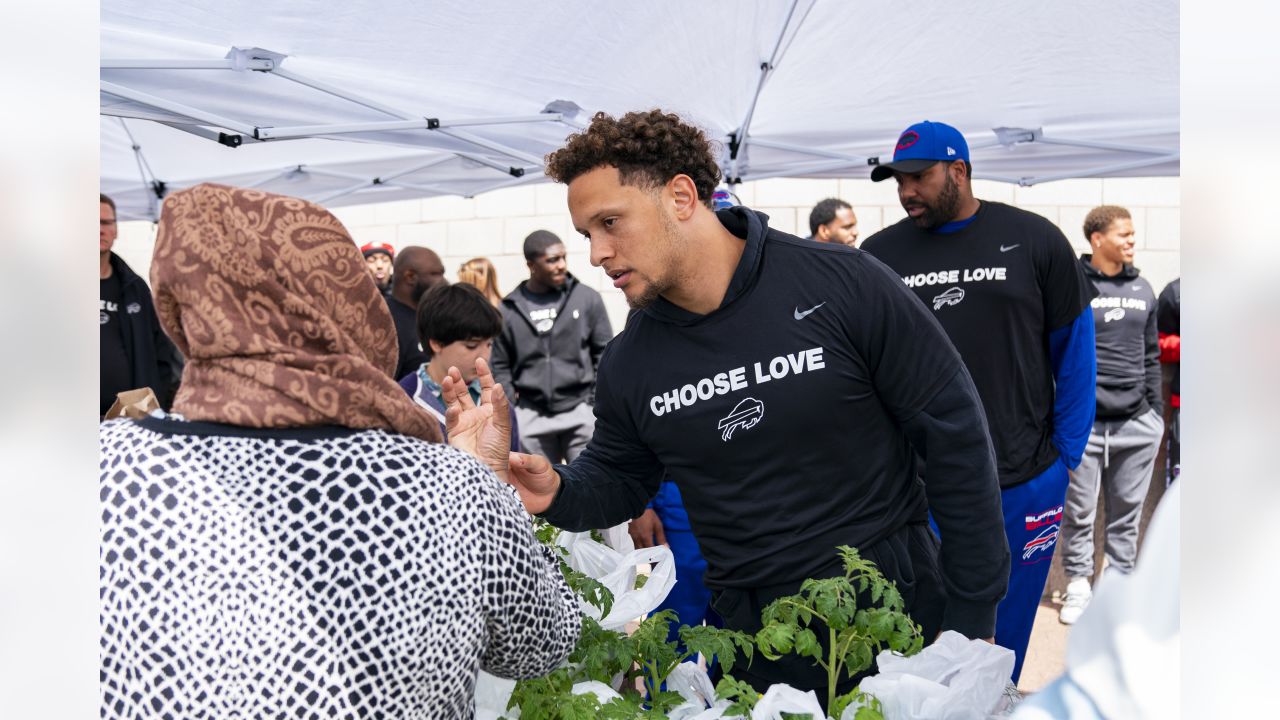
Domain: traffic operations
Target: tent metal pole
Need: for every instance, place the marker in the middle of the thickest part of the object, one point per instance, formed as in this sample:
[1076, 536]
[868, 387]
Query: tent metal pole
[1105, 169]
[997, 178]
[175, 107]
[800, 170]
[526, 179]
[739, 137]
[519, 119]
[343, 94]
[144, 170]
[510, 170]
[137, 64]
[494, 146]
[807, 151]
[268, 179]
[322, 199]
[232, 141]
[324, 172]
[1104, 146]
[290, 132]
[433, 189]
[417, 168]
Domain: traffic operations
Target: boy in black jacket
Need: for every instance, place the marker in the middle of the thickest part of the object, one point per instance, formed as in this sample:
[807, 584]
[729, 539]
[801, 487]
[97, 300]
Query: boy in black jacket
[1126, 432]
[554, 332]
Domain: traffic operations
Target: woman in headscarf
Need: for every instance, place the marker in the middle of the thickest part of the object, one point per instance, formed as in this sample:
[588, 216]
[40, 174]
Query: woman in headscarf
[294, 540]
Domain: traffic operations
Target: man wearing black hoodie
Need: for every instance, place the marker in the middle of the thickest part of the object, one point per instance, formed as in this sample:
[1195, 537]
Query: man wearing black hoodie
[787, 387]
[554, 332]
[1122, 447]
[135, 352]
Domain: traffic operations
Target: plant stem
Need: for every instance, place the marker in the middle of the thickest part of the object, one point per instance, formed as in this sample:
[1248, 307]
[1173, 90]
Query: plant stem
[833, 669]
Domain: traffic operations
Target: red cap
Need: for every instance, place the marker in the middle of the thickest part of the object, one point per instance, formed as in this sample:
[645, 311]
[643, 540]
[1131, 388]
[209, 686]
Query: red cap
[370, 248]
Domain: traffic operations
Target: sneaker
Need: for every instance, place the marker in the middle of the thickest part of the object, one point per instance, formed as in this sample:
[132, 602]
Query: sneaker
[1078, 596]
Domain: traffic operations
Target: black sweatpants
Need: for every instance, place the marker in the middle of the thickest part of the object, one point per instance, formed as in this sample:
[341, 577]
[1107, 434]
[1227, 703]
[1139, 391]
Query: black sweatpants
[909, 557]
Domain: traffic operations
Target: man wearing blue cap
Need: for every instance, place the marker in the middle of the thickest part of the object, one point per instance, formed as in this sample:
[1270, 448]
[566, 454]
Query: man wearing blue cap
[1007, 288]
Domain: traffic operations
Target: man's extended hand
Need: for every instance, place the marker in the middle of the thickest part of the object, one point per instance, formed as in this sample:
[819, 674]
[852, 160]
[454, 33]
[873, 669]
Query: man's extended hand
[534, 478]
[483, 430]
[646, 530]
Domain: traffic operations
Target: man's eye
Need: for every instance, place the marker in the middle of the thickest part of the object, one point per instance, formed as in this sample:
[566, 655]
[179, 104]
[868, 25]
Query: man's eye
[608, 222]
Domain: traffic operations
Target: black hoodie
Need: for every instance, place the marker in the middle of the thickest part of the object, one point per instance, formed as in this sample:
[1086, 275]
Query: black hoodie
[552, 371]
[153, 359]
[1124, 320]
[790, 418]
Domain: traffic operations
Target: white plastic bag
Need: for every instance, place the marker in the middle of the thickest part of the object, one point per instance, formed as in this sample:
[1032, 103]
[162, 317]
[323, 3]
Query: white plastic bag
[955, 678]
[492, 695]
[694, 686]
[782, 698]
[617, 571]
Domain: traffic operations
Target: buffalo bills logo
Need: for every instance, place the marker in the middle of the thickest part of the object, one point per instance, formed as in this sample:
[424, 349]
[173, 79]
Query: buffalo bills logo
[745, 415]
[908, 139]
[1043, 542]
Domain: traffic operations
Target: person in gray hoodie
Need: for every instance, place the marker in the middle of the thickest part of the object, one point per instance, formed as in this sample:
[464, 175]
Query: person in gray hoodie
[554, 331]
[1126, 433]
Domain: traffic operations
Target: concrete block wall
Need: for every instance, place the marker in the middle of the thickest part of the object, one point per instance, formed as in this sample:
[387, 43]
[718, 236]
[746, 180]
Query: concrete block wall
[495, 224]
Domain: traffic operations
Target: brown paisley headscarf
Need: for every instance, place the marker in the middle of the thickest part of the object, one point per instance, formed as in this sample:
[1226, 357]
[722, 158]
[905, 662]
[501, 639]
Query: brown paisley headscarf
[281, 325]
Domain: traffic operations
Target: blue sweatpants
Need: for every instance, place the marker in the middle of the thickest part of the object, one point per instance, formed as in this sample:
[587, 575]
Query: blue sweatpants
[1032, 523]
[1032, 520]
[689, 598]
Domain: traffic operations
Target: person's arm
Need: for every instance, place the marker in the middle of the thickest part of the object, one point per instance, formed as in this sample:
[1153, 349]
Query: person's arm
[1151, 360]
[1169, 325]
[502, 359]
[963, 492]
[531, 617]
[1073, 357]
[923, 384]
[613, 478]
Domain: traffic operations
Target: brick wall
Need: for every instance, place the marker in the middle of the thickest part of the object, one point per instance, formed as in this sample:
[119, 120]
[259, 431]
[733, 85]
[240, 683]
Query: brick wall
[494, 224]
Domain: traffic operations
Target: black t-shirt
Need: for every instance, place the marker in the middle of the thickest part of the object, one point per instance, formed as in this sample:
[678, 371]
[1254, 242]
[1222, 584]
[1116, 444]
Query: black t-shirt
[999, 286]
[411, 356]
[781, 418]
[117, 375]
[542, 308]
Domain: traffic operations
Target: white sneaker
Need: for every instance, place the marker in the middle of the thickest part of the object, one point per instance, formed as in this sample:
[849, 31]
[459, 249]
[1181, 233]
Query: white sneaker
[1078, 596]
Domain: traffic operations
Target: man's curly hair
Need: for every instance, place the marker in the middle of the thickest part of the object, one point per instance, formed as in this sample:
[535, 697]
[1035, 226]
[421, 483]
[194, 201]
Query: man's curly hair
[648, 148]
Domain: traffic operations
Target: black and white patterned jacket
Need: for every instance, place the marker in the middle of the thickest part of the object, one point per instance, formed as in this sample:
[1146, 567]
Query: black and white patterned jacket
[313, 573]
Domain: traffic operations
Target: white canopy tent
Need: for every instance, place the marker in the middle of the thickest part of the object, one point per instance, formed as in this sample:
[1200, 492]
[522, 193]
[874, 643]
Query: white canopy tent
[364, 103]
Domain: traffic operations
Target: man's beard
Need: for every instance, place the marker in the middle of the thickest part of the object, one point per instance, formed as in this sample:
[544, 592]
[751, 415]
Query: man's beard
[943, 210]
[653, 289]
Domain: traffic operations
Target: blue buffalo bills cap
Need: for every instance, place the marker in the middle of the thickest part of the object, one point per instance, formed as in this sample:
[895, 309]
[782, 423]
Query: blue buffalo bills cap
[922, 145]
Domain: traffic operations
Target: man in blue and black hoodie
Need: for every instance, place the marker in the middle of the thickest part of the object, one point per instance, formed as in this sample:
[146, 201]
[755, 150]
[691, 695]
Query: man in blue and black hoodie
[788, 388]
[1122, 448]
[1008, 289]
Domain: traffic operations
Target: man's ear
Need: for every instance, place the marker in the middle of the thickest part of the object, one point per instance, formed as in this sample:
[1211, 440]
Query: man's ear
[684, 196]
[436, 347]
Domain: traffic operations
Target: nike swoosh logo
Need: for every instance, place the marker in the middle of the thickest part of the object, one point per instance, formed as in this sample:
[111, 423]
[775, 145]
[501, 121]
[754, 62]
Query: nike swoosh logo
[803, 315]
[1007, 249]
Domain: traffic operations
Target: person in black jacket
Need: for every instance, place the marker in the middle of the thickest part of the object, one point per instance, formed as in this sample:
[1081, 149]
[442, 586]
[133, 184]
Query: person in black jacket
[787, 387]
[554, 332]
[416, 270]
[1168, 322]
[1122, 447]
[135, 352]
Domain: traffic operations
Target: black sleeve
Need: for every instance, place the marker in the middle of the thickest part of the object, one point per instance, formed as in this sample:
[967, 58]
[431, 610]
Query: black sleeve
[1151, 364]
[170, 363]
[1065, 290]
[921, 380]
[1167, 310]
[503, 357]
[613, 478]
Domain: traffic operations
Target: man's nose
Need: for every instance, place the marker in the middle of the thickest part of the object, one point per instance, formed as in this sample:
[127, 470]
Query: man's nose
[601, 250]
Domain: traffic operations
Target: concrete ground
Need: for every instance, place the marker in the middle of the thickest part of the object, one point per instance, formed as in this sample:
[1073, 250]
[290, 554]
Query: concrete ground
[1046, 654]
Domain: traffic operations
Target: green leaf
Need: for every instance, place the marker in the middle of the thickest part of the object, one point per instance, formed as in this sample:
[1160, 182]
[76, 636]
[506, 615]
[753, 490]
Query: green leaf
[807, 644]
[743, 696]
